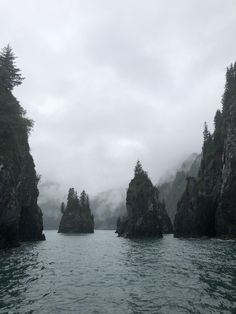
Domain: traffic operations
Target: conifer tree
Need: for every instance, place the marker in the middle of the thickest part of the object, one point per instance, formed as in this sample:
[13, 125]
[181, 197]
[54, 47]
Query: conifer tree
[72, 200]
[206, 133]
[138, 168]
[12, 115]
[230, 86]
[84, 199]
[218, 120]
[10, 75]
[87, 201]
[218, 132]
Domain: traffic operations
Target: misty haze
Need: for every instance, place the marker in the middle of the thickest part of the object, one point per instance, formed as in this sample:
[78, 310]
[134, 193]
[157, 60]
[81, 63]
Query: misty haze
[117, 156]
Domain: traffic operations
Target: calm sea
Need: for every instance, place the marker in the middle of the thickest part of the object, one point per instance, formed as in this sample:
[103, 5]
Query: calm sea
[101, 273]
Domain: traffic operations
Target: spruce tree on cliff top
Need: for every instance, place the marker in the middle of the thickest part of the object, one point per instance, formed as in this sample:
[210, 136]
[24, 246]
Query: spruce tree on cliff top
[146, 215]
[20, 216]
[12, 114]
[208, 205]
[10, 75]
[77, 217]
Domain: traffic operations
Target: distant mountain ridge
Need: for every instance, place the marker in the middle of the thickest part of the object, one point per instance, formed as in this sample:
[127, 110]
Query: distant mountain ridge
[49, 201]
[172, 190]
[107, 206]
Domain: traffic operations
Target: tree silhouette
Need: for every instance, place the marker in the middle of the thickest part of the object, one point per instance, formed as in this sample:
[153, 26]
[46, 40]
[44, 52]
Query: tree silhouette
[10, 75]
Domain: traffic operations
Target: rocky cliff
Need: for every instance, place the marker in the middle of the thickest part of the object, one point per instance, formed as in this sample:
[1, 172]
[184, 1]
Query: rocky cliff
[77, 217]
[226, 209]
[208, 205]
[20, 216]
[146, 215]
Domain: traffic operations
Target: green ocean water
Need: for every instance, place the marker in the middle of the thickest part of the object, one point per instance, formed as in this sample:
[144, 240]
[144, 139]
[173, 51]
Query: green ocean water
[101, 273]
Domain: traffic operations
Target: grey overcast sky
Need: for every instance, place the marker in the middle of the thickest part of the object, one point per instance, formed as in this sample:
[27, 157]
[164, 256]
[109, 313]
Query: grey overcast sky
[109, 82]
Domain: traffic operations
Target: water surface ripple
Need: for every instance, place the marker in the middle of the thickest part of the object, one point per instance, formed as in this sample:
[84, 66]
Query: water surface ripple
[100, 273]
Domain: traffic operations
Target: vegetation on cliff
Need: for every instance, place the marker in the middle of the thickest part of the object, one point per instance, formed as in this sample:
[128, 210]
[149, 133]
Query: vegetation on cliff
[20, 216]
[146, 215]
[76, 215]
[208, 205]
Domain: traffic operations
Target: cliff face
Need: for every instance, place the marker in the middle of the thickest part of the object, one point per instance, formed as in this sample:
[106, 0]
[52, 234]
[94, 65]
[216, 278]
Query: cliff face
[146, 215]
[20, 217]
[208, 205]
[77, 217]
[226, 209]
[195, 214]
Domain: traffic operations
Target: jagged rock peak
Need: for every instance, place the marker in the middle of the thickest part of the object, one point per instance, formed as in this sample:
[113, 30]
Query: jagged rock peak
[146, 215]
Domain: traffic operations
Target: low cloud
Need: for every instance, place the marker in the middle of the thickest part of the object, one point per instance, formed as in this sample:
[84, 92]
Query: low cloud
[111, 82]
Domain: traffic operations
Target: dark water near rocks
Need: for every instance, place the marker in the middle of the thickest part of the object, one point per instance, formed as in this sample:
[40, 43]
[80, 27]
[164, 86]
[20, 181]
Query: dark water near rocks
[101, 273]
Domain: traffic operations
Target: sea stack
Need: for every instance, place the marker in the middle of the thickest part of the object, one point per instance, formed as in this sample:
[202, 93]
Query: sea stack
[208, 205]
[146, 215]
[20, 216]
[76, 215]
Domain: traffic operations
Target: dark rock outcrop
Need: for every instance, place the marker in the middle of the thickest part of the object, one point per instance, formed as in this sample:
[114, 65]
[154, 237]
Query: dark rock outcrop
[20, 216]
[77, 217]
[208, 205]
[146, 215]
[194, 217]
